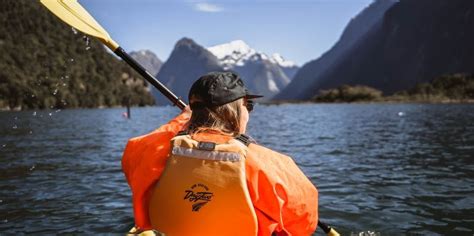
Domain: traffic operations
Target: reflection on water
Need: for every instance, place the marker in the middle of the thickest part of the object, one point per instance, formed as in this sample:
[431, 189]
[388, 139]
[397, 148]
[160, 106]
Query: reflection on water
[385, 168]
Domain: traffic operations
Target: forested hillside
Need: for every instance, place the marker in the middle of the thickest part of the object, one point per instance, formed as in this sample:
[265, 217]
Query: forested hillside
[46, 64]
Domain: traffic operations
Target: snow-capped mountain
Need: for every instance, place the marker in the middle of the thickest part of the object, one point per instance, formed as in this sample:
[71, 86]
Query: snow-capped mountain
[238, 52]
[263, 74]
[233, 53]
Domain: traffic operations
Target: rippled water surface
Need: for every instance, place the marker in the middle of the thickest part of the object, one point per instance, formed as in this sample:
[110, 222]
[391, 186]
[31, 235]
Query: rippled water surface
[393, 169]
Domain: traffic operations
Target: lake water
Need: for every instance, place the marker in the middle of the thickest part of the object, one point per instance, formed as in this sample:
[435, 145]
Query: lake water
[385, 168]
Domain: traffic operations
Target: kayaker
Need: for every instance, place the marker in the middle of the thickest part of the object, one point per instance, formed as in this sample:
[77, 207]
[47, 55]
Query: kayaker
[199, 174]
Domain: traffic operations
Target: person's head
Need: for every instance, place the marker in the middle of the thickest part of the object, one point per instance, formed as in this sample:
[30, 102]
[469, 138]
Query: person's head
[220, 101]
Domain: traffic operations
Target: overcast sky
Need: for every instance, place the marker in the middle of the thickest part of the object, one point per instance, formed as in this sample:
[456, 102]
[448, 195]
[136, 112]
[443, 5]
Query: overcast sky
[300, 30]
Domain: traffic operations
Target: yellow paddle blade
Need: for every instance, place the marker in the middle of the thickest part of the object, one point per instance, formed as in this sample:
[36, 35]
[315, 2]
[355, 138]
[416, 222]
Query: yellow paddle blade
[71, 12]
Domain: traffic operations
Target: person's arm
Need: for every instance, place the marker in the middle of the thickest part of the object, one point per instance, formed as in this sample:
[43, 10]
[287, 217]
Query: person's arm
[285, 200]
[143, 162]
[134, 150]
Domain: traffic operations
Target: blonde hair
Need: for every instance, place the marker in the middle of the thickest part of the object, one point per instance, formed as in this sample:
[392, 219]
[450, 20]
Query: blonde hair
[224, 118]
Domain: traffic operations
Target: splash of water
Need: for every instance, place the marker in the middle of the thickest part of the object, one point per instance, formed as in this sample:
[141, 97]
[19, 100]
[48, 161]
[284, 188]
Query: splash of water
[88, 41]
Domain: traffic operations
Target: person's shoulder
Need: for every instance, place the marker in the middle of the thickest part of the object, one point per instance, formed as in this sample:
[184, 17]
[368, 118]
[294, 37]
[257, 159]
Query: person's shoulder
[152, 137]
[261, 159]
[260, 151]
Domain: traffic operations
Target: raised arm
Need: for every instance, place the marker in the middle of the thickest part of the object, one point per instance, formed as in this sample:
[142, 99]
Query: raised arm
[143, 162]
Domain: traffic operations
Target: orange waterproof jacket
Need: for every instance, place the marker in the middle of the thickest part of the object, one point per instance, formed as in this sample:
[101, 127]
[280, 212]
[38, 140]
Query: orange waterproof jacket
[285, 201]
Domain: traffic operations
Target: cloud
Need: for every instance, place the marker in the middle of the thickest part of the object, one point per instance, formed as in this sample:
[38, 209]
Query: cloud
[207, 7]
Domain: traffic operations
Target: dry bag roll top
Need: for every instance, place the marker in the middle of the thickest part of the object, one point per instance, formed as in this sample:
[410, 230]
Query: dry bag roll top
[203, 190]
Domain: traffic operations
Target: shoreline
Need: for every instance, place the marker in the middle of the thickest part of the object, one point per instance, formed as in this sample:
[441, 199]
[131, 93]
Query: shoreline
[7, 109]
[449, 101]
[271, 103]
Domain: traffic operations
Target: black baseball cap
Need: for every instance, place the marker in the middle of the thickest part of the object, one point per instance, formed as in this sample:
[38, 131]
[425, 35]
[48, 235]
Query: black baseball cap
[218, 88]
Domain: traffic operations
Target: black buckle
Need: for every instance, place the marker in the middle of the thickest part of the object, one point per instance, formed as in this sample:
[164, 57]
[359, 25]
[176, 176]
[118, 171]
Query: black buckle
[246, 140]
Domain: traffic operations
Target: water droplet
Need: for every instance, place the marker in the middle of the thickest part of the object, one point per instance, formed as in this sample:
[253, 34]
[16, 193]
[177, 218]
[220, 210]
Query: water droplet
[74, 30]
[31, 131]
[5, 221]
[34, 113]
[71, 59]
[55, 92]
[67, 77]
[32, 168]
[4, 145]
[58, 110]
[87, 48]
[64, 84]
[32, 95]
[401, 113]
[15, 127]
[87, 40]
[50, 114]
[1, 200]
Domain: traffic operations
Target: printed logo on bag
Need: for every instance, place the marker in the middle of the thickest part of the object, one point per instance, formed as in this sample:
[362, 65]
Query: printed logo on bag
[199, 195]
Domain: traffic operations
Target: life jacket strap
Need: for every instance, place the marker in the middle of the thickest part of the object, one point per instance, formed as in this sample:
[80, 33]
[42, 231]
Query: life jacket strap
[182, 132]
[243, 138]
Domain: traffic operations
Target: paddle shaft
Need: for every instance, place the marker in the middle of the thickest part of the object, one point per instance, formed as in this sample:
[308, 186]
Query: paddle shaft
[327, 229]
[150, 78]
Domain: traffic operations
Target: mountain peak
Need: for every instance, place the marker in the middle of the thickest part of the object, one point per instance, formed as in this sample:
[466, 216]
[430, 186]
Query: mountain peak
[185, 42]
[263, 74]
[238, 52]
[237, 47]
[145, 52]
[147, 59]
[278, 59]
[187, 62]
